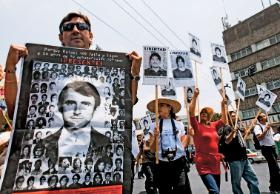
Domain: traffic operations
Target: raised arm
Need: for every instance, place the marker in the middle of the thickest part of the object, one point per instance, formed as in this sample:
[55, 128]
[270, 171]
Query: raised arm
[193, 103]
[135, 70]
[14, 55]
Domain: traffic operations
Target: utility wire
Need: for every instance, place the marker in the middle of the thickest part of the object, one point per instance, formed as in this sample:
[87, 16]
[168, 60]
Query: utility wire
[138, 22]
[150, 24]
[172, 31]
[106, 24]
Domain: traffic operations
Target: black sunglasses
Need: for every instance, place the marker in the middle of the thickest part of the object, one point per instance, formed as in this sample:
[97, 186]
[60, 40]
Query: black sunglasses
[70, 26]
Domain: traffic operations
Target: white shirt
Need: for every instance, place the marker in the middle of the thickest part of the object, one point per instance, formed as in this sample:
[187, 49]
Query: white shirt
[276, 137]
[168, 139]
[73, 143]
[268, 138]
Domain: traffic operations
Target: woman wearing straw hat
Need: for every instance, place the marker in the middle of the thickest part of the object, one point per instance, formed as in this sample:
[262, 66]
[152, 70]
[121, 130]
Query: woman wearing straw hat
[172, 175]
[206, 139]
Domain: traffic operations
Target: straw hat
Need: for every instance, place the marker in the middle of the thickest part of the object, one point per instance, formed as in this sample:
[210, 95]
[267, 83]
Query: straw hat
[176, 106]
[209, 110]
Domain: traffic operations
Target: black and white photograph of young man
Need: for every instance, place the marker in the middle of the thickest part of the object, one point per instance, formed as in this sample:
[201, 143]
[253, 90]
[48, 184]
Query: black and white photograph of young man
[76, 135]
[266, 100]
[155, 65]
[181, 68]
[218, 52]
[241, 88]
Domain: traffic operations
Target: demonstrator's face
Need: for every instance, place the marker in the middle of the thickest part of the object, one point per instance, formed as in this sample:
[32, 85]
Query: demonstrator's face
[155, 62]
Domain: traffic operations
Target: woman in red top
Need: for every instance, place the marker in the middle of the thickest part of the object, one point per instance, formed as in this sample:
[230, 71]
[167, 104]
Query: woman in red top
[206, 139]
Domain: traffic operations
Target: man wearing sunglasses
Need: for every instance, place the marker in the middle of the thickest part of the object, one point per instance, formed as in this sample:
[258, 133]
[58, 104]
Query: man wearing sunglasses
[75, 31]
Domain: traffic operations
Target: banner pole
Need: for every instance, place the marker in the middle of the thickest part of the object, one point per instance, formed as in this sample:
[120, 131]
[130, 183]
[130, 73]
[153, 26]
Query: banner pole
[196, 85]
[157, 124]
[224, 95]
[187, 114]
[248, 130]
[237, 113]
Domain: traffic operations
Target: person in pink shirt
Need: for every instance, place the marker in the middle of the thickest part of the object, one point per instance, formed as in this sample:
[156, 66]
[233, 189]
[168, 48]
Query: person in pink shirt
[206, 140]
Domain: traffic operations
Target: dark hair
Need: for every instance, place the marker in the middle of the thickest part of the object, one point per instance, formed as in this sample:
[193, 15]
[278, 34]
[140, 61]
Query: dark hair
[267, 95]
[30, 178]
[39, 146]
[77, 175]
[34, 95]
[88, 160]
[217, 48]
[119, 146]
[179, 57]
[155, 55]
[72, 15]
[18, 178]
[33, 106]
[193, 40]
[49, 179]
[83, 88]
[259, 117]
[64, 176]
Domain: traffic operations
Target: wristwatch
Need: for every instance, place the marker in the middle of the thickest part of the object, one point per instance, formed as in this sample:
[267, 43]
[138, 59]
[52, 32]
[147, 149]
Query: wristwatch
[136, 77]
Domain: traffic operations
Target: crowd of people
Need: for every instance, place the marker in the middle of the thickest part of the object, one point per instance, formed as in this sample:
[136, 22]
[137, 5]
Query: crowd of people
[162, 146]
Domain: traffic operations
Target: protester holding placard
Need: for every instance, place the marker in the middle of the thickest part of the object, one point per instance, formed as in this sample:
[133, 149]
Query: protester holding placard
[172, 173]
[234, 150]
[264, 134]
[206, 139]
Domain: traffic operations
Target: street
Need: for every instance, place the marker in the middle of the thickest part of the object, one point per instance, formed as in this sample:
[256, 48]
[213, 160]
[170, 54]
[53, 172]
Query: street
[198, 187]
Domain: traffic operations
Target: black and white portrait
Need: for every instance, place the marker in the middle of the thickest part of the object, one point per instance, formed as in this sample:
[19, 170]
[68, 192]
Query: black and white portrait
[181, 68]
[215, 72]
[145, 124]
[155, 65]
[266, 100]
[169, 89]
[218, 52]
[241, 88]
[194, 46]
[189, 91]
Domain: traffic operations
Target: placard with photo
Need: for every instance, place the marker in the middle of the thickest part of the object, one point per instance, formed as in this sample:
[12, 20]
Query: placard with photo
[266, 99]
[218, 55]
[240, 89]
[181, 68]
[169, 89]
[155, 65]
[195, 49]
[67, 116]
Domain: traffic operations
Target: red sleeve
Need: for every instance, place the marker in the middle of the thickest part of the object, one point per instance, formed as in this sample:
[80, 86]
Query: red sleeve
[194, 123]
[218, 124]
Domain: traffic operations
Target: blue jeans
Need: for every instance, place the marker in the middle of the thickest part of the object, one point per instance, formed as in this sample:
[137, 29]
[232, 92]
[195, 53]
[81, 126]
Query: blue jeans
[243, 169]
[212, 182]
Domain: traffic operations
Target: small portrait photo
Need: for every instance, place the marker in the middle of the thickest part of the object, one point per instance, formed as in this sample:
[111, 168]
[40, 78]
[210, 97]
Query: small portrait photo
[53, 182]
[121, 125]
[45, 67]
[117, 177]
[216, 76]
[38, 137]
[88, 165]
[45, 76]
[34, 88]
[118, 164]
[24, 168]
[119, 150]
[63, 182]
[218, 52]
[36, 75]
[32, 111]
[37, 168]
[189, 93]
[241, 88]
[168, 90]
[145, 124]
[25, 152]
[30, 124]
[38, 151]
[121, 115]
[76, 179]
[34, 99]
[99, 165]
[97, 179]
[107, 178]
[41, 123]
[64, 165]
[19, 183]
[37, 66]
[195, 45]
[77, 165]
[52, 167]
[54, 67]
[181, 65]
[156, 66]
[28, 137]
[266, 100]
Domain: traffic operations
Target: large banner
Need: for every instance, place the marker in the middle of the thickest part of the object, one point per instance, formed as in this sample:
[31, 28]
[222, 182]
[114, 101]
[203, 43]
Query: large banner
[72, 123]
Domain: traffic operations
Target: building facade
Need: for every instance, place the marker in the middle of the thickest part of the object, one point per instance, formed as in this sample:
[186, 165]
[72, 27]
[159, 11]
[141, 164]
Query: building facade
[253, 51]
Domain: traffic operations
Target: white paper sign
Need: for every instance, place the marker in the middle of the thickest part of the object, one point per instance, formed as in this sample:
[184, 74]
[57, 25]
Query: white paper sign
[155, 65]
[215, 72]
[240, 89]
[181, 68]
[266, 100]
[195, 49]
[218, 55]
[169, 89]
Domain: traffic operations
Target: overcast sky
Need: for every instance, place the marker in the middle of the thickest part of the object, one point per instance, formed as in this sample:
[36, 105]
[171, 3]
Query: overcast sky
[37, 21]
